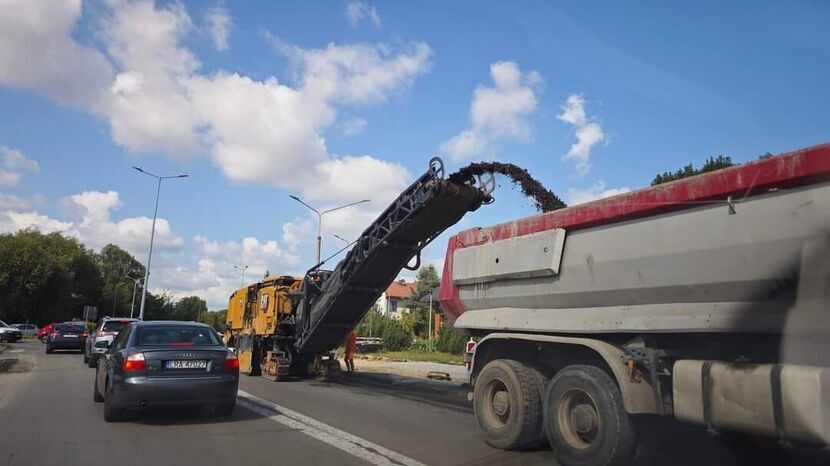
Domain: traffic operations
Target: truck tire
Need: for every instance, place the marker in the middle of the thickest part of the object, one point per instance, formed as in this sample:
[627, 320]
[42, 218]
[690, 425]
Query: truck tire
[586, 421]
[508, 404]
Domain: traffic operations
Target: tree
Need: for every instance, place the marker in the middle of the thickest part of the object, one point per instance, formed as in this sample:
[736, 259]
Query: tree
[190, 308]
[449, 341]
[45, 278]
[159, 307]
[426, 281]
[711, 164]
[118, 269]
[216, 319]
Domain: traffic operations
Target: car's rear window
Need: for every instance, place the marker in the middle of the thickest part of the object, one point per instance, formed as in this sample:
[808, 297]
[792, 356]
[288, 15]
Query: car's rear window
[114, 325]
[177, 336]
[70, 327]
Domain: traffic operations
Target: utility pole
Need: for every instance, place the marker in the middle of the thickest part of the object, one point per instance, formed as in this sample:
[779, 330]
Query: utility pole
[320, 220]
[152, 236]
[243, 269]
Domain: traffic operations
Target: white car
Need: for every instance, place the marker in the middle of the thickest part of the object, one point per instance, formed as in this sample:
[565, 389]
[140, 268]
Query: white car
[9, 333]
[106, 330]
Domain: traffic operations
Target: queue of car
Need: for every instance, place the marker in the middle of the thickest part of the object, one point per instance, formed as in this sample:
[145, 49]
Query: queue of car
[143, 364]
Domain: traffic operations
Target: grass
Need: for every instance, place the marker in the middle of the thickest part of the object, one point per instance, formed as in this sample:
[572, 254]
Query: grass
[445, 358]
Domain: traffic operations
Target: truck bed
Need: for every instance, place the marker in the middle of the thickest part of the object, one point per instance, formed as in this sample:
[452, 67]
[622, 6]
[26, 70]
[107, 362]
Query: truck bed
[744, 249]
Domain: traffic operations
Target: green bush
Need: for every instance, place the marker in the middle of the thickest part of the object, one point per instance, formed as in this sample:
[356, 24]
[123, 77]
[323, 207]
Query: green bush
[424, 346]
[449, 341]
[395, 336]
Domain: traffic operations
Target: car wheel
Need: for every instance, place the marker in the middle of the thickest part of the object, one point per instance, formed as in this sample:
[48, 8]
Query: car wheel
[96, 395]
[111, 411]
[508, 404]
[42, 339]
[93, 361]
[586, 421]
[226, 409]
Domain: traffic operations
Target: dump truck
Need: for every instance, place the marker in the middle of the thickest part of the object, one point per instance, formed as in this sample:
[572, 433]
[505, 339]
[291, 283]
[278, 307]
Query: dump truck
[704, 299]
[286, 325]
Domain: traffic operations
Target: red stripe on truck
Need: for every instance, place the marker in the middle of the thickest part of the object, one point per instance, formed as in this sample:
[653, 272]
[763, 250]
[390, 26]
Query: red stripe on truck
[790, 169]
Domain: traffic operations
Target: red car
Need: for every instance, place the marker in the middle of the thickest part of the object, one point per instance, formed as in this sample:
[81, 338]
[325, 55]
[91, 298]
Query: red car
[44, 332]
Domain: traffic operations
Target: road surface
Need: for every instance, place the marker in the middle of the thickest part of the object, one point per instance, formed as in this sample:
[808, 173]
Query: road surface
[47, 416]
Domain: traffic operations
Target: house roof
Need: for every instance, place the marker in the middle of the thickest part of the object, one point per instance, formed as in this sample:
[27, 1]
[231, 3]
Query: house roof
[400, 289]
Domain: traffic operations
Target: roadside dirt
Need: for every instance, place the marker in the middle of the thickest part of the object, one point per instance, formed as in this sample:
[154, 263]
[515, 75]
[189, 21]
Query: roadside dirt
[544, 199]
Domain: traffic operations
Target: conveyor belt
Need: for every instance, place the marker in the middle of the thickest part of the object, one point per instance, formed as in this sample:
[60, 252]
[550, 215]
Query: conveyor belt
[333, 303]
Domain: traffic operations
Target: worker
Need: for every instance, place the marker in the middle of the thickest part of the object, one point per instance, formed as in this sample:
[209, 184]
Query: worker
[351, 347]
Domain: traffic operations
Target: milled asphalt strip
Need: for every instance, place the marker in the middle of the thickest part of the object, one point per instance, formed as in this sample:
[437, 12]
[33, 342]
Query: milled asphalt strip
[352, 444]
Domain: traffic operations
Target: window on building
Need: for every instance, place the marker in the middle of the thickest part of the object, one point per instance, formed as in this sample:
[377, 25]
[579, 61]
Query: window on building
[393, 305]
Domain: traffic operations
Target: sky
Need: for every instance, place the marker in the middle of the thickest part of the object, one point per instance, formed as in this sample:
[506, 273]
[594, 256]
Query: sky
[339, 101]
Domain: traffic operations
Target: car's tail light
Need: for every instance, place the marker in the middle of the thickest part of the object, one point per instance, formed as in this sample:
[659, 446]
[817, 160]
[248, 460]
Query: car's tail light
[84, 334]
[135, 362]
[231, 362]
[55, 334]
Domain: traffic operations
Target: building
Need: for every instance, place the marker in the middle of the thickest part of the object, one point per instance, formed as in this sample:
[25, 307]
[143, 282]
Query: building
[393, 301]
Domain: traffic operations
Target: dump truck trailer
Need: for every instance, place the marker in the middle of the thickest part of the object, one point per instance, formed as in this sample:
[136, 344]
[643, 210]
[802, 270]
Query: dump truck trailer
[705, 299]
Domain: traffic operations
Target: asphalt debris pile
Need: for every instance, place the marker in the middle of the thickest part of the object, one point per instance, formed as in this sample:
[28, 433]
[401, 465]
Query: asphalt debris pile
[544, 199]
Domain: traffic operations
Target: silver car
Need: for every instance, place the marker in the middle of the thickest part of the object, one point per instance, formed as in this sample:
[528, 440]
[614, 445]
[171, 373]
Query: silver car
[28, 330]
[106, 330]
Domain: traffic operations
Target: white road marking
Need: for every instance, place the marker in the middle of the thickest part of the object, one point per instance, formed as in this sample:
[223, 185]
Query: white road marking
[352, 444]
[16, 351]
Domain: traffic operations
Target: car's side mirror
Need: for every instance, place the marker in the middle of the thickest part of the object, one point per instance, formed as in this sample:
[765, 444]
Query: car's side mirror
[102, 344]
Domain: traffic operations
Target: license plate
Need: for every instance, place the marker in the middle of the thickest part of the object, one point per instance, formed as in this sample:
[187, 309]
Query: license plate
[188, 364]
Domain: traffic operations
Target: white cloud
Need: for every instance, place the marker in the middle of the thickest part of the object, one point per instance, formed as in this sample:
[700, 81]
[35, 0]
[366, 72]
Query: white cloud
[37, 52]
[357, 10]
[297, 231]
[219, 24]
[594, 192]
[354, 126]
[498, 112]
[11, 221]
[588, 132]
[12, 164]
[155, 98]
[12, 202]
[96, 229]
[215, 277]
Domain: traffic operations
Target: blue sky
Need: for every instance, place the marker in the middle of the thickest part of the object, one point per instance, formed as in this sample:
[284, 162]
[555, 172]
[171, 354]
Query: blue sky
[339, 101]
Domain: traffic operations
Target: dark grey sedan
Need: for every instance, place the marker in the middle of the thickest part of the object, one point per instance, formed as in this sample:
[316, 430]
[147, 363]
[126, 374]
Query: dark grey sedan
[67, 336]
[166, 363]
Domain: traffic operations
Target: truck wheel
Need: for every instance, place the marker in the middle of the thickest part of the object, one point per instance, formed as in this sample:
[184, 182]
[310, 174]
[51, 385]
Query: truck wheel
[508, 404]
[586, 421]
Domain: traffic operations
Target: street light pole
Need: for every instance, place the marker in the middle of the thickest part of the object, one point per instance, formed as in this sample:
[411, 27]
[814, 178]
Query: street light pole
[243, 269]
[320, 220]
[132, 303]
[152, 237]
[342, 239]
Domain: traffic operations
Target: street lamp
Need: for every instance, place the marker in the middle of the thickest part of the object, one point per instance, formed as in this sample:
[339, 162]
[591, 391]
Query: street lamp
[152, 236]
[342, 239]
[320, 219]
[242, 269]
[136, 281]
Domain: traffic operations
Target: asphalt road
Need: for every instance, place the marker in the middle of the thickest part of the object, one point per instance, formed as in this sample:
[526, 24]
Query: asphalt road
[47, 416]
